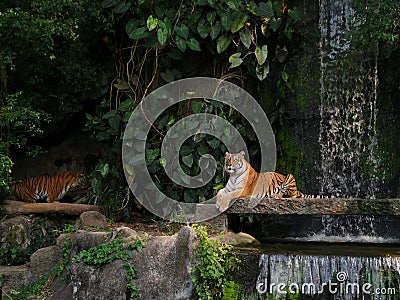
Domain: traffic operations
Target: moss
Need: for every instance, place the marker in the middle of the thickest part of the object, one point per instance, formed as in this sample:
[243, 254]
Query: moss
[290, 157]
[385, 165]
[306, 84]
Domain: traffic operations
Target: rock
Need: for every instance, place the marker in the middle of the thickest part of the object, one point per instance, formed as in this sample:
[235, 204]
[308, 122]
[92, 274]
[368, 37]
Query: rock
[108, 282]
[13, 277]
[92, 219]
[15, 231]
[238, 239]
[164, 271]
[164, 268]
[43, 261]
[20, 236]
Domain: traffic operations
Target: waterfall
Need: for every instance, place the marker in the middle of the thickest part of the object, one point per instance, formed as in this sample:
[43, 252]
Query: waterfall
[343, 277]
[348, 111]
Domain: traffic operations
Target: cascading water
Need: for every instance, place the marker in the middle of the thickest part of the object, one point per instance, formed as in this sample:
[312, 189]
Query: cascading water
[348, 110]
[331, 277]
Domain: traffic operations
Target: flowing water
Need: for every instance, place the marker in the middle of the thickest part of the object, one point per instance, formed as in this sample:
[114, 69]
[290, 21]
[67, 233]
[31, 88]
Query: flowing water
[339, 269]
[348, 109]
[329, 277]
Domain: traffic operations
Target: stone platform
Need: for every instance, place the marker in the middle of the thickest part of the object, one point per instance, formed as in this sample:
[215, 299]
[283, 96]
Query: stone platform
[318, 206]
[310, 206]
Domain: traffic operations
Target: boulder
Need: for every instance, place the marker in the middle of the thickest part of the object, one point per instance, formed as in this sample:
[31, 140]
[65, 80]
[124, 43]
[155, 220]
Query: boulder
[92, 219]
[163, 267]
[240, 239]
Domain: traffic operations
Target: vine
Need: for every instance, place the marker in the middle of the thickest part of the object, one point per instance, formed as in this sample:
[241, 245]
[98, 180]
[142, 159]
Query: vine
[215, 263]
[97, 256]
[163, 41]
[107, 253]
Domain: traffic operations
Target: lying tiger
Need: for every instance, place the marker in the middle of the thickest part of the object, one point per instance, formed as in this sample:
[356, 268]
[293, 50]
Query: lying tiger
[245, 182]
[49, 188]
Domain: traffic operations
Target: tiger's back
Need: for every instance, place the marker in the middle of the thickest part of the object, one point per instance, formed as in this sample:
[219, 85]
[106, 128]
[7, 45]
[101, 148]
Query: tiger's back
[245, 182]
[49, 188]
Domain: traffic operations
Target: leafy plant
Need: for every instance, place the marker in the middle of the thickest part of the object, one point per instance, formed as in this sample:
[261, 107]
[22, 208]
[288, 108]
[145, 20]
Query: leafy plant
[377, 25]
[45, 69]
[215, 263]
[109, 252]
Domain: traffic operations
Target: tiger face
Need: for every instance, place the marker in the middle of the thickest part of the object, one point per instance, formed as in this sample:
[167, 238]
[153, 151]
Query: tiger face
[234, 161]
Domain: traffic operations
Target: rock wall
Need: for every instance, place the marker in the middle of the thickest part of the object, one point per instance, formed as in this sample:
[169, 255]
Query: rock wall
[163, 268]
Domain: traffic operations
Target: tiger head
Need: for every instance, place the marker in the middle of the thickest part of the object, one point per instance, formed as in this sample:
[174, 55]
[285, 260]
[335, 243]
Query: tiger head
[234, 161]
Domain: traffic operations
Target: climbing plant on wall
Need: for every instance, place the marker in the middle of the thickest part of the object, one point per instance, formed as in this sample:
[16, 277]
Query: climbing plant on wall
[159, 42]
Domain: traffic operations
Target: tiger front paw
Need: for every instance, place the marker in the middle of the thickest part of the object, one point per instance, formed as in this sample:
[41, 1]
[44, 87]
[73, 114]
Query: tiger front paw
[221, 203]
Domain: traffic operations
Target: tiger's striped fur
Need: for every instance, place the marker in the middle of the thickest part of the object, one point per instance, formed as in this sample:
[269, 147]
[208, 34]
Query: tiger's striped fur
[49, 188]
[245, 182]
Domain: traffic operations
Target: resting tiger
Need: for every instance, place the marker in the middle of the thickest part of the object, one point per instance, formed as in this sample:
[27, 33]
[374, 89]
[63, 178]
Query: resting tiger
[49, 188]
[245, 182]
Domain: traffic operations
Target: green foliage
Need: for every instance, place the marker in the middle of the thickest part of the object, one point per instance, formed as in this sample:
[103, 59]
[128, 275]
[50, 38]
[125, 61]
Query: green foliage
[108, 252]
[378, 24]
[107, 181]
[239, 27]
[38, 289]
[44, 51]
[19, 121]
[290, 156]
[235, 34]
[41, 234]
[35, 289]
[215, 264]
[45, 69]
[97, 256]
[5, 171]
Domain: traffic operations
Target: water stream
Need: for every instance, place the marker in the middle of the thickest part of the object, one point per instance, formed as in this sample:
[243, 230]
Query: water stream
[348, 109]
[329, 277]
[348, 140]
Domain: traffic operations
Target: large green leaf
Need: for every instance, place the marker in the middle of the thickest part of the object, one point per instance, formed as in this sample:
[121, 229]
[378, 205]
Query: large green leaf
[182, 30]
[261, 54]
[214, 143]
[238, 23]
[294, 14]
[215, 30]
[181, 43]
[126, 105]
[235, 60]
[262, 71]
[203, 29]
[211, 17]
[264, 9]
[122, 7]
[245, 37]
[162, 32]
[188, 160]
[223, 43]
[185, 150]
[134, 32]
[225, 21]
[197, 106]
[193, 44]
[275, 23]
[151, 23]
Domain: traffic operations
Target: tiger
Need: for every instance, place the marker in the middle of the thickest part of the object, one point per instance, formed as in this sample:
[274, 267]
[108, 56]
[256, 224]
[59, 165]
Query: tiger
[245, 182]
[49, 188]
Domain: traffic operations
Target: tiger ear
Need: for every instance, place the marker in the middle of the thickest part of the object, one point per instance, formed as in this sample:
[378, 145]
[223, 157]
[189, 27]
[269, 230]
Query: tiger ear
[227, 154]
[242, 153]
